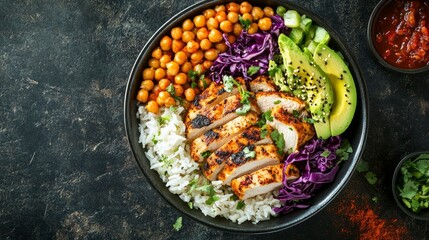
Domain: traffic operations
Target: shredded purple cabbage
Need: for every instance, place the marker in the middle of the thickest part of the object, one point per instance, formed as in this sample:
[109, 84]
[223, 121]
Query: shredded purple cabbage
[318, 164]
[248, 50]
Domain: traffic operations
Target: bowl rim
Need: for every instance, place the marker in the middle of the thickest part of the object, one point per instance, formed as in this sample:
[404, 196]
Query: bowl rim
[361, 137]
[369, 32]
[395, 180]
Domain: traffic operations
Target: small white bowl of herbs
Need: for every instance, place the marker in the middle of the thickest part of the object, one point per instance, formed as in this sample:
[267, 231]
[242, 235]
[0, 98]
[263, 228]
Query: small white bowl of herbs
[410, 185]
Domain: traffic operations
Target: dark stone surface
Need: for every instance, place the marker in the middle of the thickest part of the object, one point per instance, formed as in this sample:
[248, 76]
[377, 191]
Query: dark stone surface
[66, 168]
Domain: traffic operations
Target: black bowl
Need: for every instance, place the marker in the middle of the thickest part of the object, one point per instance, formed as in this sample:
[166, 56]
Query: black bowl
[356, 133]
[423, 215]
[370, 32]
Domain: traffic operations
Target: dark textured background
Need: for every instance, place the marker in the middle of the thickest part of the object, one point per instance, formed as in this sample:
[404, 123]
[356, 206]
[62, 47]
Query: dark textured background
[66, 168]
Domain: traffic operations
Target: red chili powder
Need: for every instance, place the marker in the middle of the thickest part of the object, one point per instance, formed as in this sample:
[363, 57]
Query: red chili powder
[370, 225]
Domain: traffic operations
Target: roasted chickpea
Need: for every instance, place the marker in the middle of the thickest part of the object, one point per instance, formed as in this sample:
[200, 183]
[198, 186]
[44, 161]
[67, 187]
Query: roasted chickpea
[165, 43]
[147, 84]
[264, 23]
[202, 33]
[152, 97]
[153, 63]
[164, 60]
[247, 16]
[207, 64]
[152, 107]
[172, 68]
[199, 21]
[177, 45]
[180, 57]
[192, 46]
[231, 38]
[157, 53]
[204, 83]
[180, 78]
[199, 68]
[164, 83]
[215, 36]
[156, 90]
[205, 44]
[170, 102]
[232, 17]
[233, 7]
[142, 95]
[211, 54]
[186, 67]
[253, 28]
[148, 73]
[208, 13]
[212, 23]
[159, 73]
[190, 94]
[178, 89]
[222, 47]
[257, 13]
[220, 8]
[245, 7]
[187, 25]
[226, 26]
[188, 36]
[237, 28]
[176, 33]
[268, 12]
[220, 16]
[197, 57]
[163, 95]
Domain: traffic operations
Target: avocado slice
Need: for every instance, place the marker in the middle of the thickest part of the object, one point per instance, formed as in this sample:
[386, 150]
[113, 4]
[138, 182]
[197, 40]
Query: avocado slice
[312, 81]
[344, 107]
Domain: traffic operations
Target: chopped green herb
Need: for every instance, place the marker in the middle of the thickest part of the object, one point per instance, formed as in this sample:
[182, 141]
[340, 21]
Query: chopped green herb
[279, 141]
[229, 83]
[295, 113]
[243, 109]
[190, 204]
[244, 23]
[264, 131]
[193, 75]
[248, 153]
[206, 154]
[193, 84]
[362, 166]
[375, 199]
[325, 153]
[344, 151]
[309, 120]
[170, 89]
[371, 178]
[203, 79]
[252, 70]
[264, 117]
[178, 224]
[164, 119]
[277, 102]
[240, 205]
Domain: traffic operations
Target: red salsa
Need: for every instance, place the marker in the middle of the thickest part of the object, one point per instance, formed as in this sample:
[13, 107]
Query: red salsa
[401, 33]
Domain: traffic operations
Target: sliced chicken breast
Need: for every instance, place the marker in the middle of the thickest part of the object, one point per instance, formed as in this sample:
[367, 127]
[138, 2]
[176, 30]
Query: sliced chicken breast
[295, 130]
[216, 161]
[268, 100]
[211, 96]
[262, 84]
[259, 182]
[215, 138]
[238, 164]
[215, 116]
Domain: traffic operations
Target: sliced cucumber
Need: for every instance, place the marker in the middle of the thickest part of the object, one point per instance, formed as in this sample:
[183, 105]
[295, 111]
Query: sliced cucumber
[296, 34]
[292, 19]
[321, 36]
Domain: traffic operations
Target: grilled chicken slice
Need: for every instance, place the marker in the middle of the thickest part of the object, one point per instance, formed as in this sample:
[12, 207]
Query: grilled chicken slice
[295, 130]
[238, 164]
[215, 116]
[215, 138]
[216, 161]
[211, 96]
[262, 84]
[262, 181]
[268, 100]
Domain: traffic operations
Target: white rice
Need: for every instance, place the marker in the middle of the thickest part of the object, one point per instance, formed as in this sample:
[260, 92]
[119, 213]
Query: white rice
[163, 136]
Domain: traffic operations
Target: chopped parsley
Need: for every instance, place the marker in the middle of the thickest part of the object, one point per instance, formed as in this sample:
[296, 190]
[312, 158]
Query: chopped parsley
[240, 205]
[193, 75]
[264, 117]
[309, 120]
[170, 89]
[245, 23]
[362, 167]
[253, 70]
[344, 151]
[279, 141]
[229, 83]
[277, 102]
[178, 224]
[264, 131]
[206, 154]
[371, 178]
